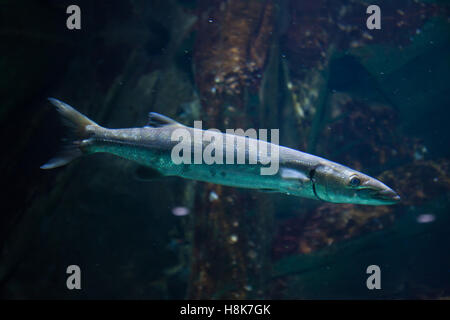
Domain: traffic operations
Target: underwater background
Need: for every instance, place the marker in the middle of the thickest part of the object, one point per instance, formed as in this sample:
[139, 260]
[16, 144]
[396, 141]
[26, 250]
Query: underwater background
[374, 100]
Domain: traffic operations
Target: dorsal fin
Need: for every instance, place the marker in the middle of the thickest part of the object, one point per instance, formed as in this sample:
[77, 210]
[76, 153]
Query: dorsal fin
[158, 120]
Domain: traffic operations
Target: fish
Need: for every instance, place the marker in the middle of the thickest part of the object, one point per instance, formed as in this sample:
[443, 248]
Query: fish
[299, 174]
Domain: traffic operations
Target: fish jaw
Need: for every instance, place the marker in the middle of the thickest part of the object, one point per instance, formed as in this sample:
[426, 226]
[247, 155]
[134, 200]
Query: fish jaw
[334, 183]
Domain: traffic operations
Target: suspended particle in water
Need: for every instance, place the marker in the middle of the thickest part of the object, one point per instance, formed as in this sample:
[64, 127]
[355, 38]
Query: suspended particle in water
[180, 211]
[426, 218]
[213, 196]
[248, 287]
[233, 238]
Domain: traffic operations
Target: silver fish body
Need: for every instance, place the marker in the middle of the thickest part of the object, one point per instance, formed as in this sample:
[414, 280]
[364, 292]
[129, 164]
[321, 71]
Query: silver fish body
[299, 173]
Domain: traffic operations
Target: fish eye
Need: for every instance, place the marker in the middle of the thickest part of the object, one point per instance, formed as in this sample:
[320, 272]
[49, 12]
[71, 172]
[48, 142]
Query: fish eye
[354, 182]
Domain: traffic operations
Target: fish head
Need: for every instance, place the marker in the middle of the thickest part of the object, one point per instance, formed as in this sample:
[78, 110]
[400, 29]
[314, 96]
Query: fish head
[336, 183]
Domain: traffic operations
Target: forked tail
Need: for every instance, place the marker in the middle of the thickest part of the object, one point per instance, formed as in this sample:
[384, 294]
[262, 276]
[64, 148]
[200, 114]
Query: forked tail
[76, 123]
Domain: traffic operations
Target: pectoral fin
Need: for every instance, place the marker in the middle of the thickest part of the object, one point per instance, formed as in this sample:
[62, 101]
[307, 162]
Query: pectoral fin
[293, 174]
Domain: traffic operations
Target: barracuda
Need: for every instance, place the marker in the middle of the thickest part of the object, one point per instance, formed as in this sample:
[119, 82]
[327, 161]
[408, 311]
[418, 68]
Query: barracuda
[300, 174]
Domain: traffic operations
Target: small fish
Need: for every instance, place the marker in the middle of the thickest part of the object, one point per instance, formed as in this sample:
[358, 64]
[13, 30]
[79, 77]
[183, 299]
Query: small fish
[300, 174]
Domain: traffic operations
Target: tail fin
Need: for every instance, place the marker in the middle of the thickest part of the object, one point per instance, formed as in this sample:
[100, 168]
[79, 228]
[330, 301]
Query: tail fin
[76, 122]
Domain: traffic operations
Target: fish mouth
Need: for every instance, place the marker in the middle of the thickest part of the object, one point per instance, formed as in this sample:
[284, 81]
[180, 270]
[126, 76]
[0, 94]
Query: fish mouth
[387, 196]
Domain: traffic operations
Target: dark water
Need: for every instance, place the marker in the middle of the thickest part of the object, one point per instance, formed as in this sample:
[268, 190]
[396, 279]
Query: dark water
[374, 100]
